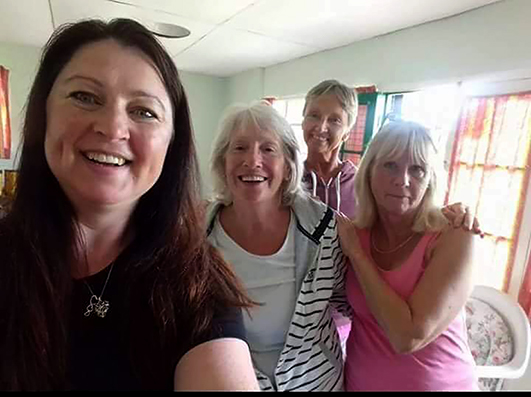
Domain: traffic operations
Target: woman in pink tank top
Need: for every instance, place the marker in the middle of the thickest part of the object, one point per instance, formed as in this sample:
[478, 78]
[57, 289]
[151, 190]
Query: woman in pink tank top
[410, 273]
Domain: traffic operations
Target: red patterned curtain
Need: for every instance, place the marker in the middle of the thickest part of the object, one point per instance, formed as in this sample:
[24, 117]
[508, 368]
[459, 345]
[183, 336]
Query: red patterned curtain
[489, 171]
[5, 125]
[525, 292]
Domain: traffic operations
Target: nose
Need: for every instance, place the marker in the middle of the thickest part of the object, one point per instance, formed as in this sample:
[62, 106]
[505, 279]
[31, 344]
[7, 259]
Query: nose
[403, 178]
[323, 125]
[113, 123]
[253, 157]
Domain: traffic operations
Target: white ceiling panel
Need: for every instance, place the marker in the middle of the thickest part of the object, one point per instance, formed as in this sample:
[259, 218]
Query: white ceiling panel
[332, 23]
[233, 51]
[73, 10]
[230, 36]
[213, 11]
[26, 22]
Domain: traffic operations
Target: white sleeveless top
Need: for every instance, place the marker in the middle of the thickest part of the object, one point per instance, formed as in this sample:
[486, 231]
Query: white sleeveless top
[270, 280]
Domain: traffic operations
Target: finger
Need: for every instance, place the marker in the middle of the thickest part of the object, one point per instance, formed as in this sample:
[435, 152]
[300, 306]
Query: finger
[341, 219]
[342, 225]
[342, 214]
[468, 221]
[458, 220]
[477, 229]
[457, 208]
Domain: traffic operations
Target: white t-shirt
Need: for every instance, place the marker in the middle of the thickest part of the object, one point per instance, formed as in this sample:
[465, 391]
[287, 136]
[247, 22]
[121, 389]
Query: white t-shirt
[270, 280]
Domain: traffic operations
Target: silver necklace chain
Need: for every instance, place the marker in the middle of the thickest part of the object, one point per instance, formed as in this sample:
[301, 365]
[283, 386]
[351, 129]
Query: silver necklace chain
[393, 249]
[96, 304]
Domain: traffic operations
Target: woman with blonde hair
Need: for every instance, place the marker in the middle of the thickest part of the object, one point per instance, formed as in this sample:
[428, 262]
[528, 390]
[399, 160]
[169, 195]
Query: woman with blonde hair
[410, 272]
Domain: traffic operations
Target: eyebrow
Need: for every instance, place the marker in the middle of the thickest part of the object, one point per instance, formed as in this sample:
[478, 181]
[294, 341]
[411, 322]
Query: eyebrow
[80, 77]
[137, 93]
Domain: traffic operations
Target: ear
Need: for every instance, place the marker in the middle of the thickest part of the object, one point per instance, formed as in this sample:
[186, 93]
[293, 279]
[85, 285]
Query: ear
[346, 135]
[287, 172]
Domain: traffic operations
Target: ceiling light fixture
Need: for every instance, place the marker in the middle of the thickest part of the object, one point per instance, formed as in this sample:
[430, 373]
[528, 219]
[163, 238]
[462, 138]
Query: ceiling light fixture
[169, 30]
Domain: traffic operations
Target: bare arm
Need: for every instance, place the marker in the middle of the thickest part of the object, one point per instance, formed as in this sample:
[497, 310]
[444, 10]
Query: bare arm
[438, 297]
[219, 364]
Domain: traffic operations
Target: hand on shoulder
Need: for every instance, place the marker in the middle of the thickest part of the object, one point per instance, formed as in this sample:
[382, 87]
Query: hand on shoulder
[348, 237]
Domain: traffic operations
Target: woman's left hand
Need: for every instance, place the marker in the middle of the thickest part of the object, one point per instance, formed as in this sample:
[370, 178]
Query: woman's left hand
[348, 238]
[459, 216]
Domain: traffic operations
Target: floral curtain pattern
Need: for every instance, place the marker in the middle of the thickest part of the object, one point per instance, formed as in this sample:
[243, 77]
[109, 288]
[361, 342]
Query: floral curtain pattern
[5, 125]
[489, 171]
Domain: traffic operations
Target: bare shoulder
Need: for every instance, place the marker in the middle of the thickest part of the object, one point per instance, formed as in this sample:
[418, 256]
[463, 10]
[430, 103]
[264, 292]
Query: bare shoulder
[452, 240]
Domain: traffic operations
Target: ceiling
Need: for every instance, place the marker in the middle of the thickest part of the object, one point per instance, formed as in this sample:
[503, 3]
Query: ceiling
[231, 36]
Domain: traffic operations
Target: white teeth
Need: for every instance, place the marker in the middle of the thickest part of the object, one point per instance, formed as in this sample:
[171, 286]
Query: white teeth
[253, 178]
[105, 158]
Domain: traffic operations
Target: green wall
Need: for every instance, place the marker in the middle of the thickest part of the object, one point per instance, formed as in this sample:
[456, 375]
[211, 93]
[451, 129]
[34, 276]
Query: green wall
[207, 97]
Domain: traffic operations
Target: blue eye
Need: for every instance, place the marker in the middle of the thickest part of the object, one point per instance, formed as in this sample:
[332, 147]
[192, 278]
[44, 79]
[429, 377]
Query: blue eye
[84, 97]
[418, 171]
[144, 113]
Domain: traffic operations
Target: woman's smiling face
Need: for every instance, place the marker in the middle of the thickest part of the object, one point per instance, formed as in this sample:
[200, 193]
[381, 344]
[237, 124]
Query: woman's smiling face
[325, 124]
[255, 166]
[109, 125]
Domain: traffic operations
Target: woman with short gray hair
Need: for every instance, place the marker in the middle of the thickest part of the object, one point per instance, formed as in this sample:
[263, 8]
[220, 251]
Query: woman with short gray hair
[283, 245]
[329, 113]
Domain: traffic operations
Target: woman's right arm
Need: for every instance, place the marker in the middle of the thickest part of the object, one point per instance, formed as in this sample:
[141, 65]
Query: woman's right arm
[410, 324]
[219, 364]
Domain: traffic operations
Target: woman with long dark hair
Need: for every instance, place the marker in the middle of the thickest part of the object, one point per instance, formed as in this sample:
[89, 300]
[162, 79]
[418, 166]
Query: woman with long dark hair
[106, 278]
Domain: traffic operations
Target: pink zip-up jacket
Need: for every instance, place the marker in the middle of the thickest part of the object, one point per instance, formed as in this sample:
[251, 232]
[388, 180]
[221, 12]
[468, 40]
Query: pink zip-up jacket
[338, 192]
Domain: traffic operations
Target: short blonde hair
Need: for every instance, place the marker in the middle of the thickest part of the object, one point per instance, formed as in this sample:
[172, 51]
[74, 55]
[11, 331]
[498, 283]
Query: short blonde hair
[264, 118]
[392, 141]
[345, 95]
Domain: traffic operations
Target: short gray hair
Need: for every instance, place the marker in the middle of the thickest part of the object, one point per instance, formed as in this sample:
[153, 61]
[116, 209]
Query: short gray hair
[346, 96]
[265, 118]
[393, 140]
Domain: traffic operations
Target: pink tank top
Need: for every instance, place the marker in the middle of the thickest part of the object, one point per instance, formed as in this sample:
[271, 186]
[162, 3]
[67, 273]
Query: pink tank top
[372, 364]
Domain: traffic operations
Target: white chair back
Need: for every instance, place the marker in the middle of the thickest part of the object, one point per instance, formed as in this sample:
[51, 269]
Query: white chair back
[518, 324]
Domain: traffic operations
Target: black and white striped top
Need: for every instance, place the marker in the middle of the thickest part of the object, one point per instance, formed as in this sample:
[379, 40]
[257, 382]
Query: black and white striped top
[312, 357]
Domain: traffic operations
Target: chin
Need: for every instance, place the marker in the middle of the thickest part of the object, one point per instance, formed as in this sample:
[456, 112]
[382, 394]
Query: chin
[106, 198]
[319, 148]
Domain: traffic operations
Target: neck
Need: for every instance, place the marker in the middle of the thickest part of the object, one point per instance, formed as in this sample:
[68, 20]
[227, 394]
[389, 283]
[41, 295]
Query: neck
[394, 228]
[326, 165]
[253, 219]
[103, 233]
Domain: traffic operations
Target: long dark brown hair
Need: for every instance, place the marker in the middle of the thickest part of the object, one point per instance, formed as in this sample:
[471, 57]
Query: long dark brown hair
[188, 279]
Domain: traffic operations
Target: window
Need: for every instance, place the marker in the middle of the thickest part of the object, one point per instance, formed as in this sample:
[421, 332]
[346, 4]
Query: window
[363, 130]
[489, 171]
[5, 131]
[437, 108]
[291, 109]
